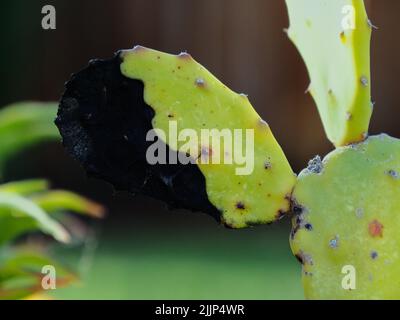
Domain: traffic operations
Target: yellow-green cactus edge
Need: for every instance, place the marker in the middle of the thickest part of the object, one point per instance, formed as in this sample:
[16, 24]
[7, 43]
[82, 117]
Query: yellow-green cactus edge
[178, 88]
[346, 228]
[333, 38]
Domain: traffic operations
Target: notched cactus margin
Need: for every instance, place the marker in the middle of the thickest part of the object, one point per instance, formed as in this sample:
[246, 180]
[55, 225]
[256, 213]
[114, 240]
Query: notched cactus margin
[335, 48]
[346, 215]
[179, 87]
[109, 107]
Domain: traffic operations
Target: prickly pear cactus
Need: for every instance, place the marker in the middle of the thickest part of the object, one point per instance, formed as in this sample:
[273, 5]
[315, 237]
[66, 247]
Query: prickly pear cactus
[143, 89]
[345, 228]
[253, 196]
[333, 38]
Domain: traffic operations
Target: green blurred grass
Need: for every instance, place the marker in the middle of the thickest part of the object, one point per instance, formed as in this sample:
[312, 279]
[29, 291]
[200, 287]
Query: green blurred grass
[172, 263]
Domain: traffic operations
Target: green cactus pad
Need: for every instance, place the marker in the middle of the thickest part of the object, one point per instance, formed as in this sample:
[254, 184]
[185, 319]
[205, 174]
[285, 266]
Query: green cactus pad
[178, 88]
[335, 48]
[346, 216]
[174, 89]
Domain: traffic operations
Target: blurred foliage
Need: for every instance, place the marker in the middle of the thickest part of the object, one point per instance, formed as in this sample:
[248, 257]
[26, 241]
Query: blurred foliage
[29, 206]
[25, 124]
[21, 272]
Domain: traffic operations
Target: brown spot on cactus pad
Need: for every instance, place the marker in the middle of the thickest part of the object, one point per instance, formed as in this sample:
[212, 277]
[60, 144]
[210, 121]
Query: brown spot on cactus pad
[240, 205]
[375, 229]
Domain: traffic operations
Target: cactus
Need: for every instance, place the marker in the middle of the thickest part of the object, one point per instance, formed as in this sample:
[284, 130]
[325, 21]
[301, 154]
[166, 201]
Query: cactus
[333, 38]
[237, 199]
[343, 207]
[346, 208]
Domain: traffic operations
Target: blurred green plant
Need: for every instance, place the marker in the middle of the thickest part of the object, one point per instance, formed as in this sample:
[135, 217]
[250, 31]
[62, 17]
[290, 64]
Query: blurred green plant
[29, 206]
[25, 124]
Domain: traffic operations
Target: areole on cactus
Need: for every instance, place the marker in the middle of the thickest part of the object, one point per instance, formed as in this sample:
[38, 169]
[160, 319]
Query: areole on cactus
[342, 207]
